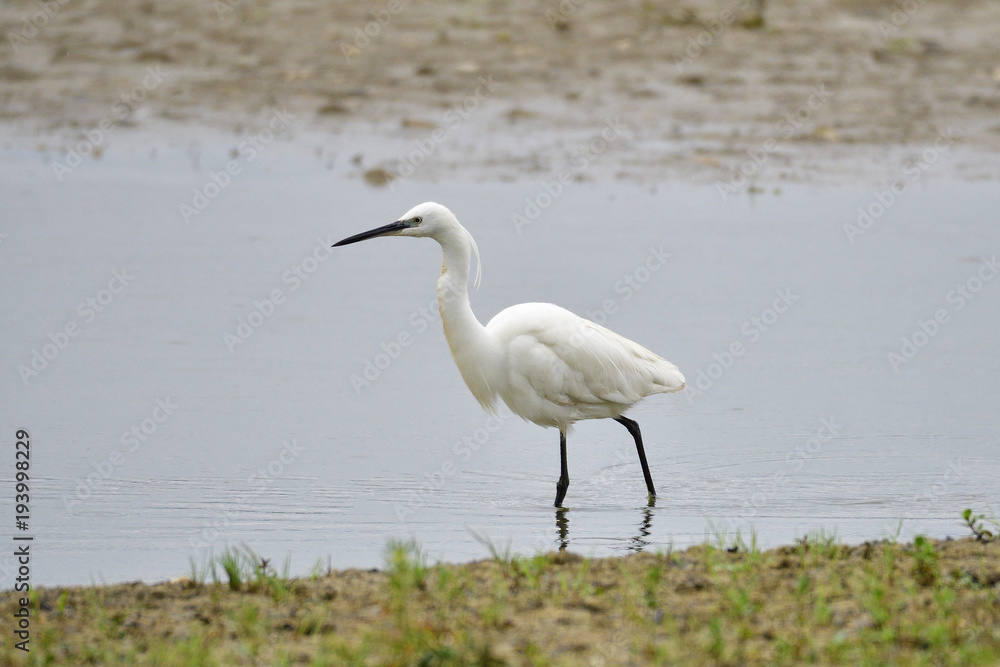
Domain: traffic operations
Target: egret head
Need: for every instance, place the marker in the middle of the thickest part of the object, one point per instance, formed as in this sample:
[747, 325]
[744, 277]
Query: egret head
[427, 219]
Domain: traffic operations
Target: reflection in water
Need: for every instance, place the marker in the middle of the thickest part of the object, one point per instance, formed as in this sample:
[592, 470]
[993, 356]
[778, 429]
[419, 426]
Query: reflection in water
[562, 525]
[635, 544]
[639, 542]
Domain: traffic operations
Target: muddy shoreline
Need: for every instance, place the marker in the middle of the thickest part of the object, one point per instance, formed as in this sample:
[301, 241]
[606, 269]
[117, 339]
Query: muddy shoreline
[817, 601]
[504, 90]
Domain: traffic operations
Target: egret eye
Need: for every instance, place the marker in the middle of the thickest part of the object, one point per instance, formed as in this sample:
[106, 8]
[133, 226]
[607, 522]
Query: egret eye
[417, 220]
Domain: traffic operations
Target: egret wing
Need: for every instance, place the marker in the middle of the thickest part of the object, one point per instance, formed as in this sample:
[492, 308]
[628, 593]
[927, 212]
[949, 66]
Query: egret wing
[611, 367]
[570, 361]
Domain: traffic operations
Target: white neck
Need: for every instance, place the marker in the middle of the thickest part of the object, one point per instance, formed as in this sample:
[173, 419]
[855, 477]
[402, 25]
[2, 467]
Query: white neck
[473, 349]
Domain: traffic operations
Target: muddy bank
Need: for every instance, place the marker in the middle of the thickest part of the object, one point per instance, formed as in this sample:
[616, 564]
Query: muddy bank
[816, 601]
[515, 88]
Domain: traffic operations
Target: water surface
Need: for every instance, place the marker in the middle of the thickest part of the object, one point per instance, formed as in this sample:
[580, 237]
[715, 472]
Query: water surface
[278, 439]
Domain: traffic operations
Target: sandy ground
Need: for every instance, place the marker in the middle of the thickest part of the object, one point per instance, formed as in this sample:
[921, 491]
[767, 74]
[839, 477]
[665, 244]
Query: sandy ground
[700, 88]
[816, 602]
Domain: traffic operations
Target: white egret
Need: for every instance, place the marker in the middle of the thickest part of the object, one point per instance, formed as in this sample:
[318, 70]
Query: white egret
[549, 366]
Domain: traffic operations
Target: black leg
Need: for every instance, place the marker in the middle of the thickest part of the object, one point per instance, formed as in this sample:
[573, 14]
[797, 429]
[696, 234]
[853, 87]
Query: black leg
[563, 482]
[633, 428]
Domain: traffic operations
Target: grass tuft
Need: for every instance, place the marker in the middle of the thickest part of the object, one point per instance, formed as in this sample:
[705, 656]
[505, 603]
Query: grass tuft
[977, 524]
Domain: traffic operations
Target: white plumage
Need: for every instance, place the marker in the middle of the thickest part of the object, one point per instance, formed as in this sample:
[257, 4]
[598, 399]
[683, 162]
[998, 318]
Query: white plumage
[549, 366]
[560, 368]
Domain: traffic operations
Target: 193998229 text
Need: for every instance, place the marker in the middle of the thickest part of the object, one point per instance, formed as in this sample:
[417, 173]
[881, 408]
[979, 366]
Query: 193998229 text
[22, 541]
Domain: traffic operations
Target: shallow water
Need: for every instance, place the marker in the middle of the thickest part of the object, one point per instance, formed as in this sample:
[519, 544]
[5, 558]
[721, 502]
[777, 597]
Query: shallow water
[275, 442]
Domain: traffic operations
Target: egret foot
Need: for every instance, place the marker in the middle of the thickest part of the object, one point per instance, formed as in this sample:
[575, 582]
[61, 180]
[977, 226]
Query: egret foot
[633, 428]
[563, 482]
[561, 487]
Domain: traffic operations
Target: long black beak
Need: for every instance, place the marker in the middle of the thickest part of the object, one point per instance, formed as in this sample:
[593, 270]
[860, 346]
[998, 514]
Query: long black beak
[391, 228]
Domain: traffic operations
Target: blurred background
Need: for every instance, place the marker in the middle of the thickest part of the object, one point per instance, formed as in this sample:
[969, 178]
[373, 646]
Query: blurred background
[698, 83]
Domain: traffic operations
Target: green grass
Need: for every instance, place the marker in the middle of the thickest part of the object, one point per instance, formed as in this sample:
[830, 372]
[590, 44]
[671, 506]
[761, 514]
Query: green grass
[724, 602]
